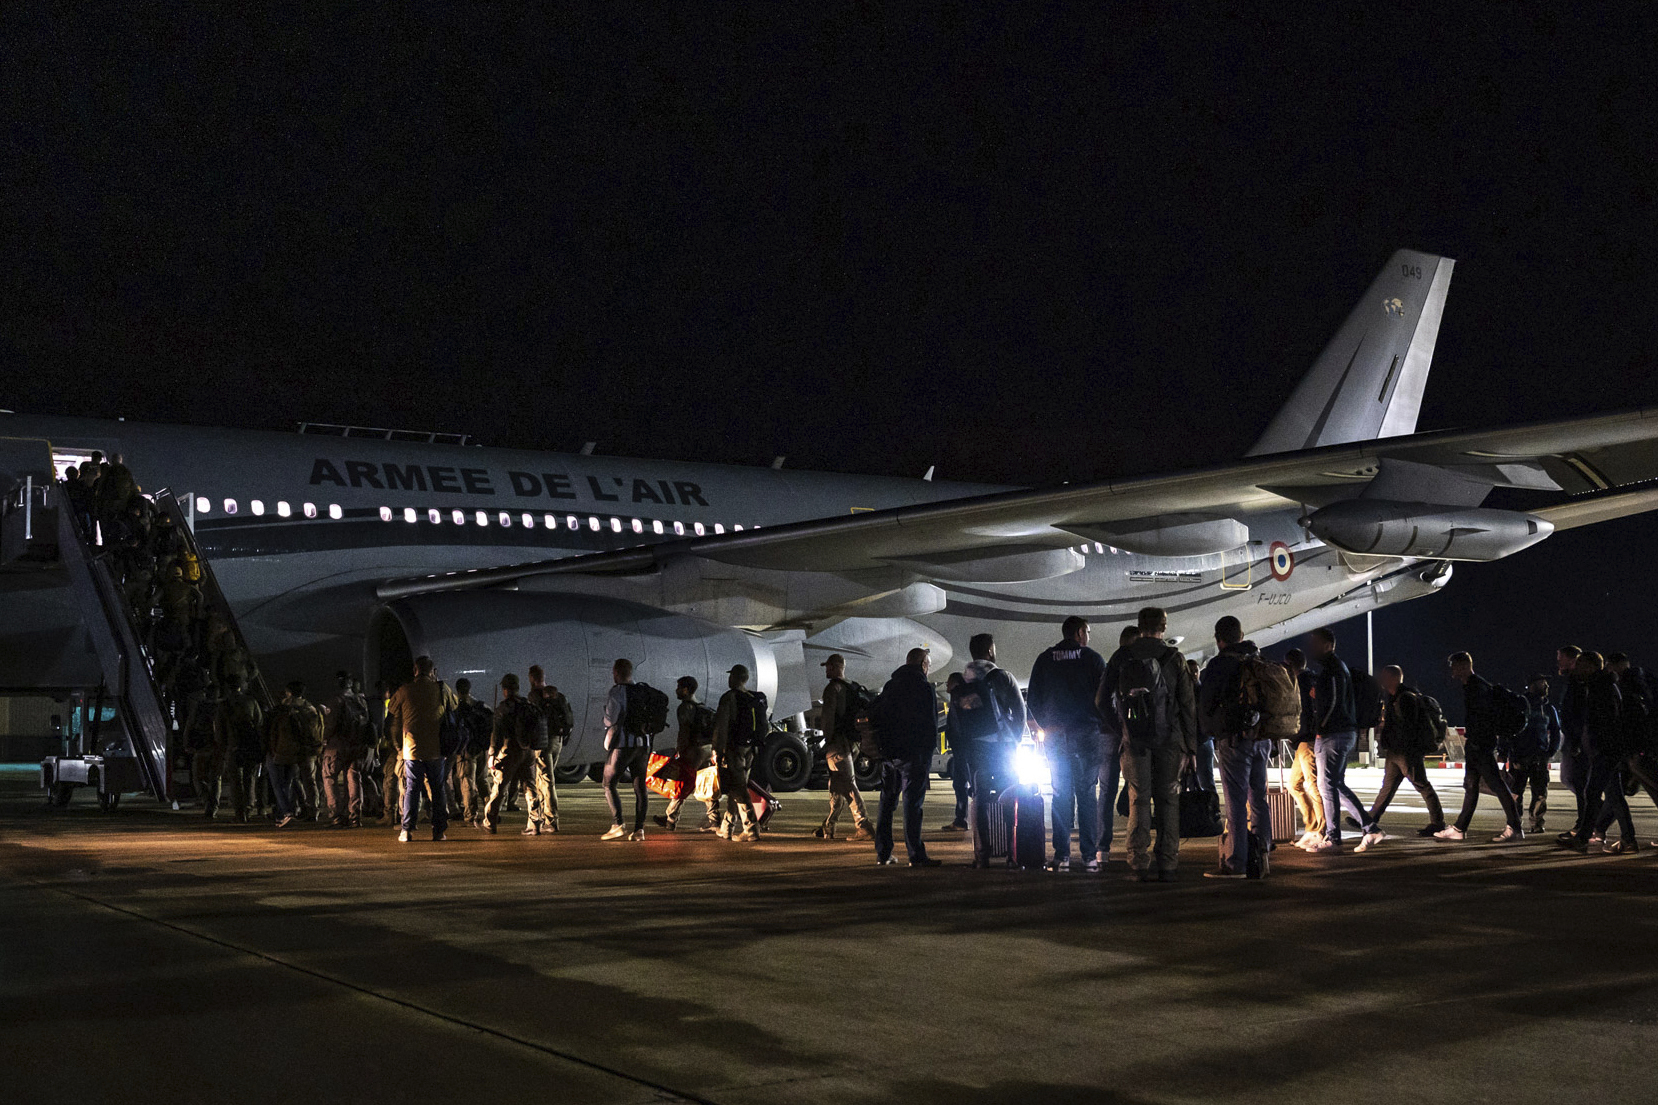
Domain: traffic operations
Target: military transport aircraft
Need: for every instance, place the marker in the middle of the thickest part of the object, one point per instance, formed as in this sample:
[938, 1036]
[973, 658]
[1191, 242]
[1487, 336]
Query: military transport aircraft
[355, 552]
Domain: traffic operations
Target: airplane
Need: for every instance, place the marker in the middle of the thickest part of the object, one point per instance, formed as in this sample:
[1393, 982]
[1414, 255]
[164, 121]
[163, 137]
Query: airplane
[360, 553]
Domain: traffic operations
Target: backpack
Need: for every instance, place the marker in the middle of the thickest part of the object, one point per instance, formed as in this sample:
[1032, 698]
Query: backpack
[1368, 700]
[305, 725]
[979, 713]
[561, 720]
[1145, 700]
[702, 724]
[1265, 701]
[352, 728]
[1509, 711]
[245, 736]
[866, 722]
[647, 711]
[1422, 726]
[1636, 715]
[748, 719]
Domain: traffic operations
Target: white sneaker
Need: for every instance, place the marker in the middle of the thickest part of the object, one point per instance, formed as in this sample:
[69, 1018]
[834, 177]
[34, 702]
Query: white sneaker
[1308, 837]
[616, 833]
[1509, 833]
[1059, 865]
[637, 836]
[402, 836]
[1322, 847]
[1371, 839]
[1449, 832]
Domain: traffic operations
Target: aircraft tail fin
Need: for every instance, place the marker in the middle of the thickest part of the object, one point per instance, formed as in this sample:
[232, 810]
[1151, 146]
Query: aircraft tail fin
[1369, 380]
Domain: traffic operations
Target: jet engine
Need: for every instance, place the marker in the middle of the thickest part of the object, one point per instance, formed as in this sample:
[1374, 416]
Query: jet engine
[482, 635]
[1378, 527]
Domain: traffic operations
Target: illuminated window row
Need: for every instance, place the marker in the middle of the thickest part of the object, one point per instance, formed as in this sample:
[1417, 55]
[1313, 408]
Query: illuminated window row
[434, 516]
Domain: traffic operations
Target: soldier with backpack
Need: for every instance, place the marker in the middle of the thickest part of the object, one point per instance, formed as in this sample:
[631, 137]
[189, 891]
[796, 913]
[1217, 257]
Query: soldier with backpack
[693, 751]
[346, 740]
[1157, 707]
[633, 714]
[1639, 692]
[535, 774]
[1335, 706]
[1303, 781]
[561, 720]
[1244, 703]
[1594, 713]
[1413, 726]
[1490, 713]
[740, 726]
[842, 701]
[1064, 686]
[475, 720]
[1525, 755]
[295, 738]
[239, 728]
[513, 726]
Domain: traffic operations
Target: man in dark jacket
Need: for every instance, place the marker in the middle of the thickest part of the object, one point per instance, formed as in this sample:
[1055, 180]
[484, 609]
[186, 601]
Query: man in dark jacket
[1243, 758]
[907, 714]
[1526, 754]
[1594, 713]
[1411, 728]
[840, 751]
[1157, 710]
[1338, 732]
[1479, 754]
[1111, 745]
[1064, 686]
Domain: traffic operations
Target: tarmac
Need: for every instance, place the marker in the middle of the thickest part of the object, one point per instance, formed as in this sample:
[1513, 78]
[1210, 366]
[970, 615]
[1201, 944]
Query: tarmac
[148, 955]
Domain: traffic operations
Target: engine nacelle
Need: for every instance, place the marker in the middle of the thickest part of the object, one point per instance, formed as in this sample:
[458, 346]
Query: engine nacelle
[482, 635]
[1377, 527]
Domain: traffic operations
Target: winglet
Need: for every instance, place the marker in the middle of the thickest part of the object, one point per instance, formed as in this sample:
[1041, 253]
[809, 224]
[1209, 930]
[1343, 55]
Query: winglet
[1369, 380]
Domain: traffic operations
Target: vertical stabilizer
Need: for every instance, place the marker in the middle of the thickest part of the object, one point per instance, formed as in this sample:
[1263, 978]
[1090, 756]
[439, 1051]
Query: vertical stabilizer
[1369, 380]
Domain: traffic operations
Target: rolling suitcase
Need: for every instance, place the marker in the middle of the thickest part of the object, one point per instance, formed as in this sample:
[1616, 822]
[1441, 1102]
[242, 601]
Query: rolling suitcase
[1282, 809]
[764, 805]
[1008, 822]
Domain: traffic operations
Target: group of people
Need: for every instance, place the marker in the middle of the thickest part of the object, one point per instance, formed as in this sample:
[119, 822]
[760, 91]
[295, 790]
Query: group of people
[1141, 719]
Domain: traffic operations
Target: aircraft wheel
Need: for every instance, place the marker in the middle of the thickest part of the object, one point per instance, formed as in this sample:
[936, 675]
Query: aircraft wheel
[785, 762]
[866, 773]
[569, 774]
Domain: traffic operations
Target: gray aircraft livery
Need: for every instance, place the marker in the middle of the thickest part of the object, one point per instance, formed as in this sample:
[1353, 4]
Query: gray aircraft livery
[350, 552]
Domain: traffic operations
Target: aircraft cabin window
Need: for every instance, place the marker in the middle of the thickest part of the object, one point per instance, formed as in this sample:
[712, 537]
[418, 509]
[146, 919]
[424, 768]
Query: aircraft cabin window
[505, 519]
[1099, 548]
[719, 527]
[679, 529]
[737, 529]
[572, 521]
[656, 527]
[335, 512]
[435, 516]
[638, 526]
[552, 523]
[257, 507]
[282, 509]
[203, 505]
[528, 520]
[230, 506]
[408, 514]
[615, 525]
[483, 519]
[385, 514]
[698, 527]
[593, 523]
[458, 517]
[310, 510]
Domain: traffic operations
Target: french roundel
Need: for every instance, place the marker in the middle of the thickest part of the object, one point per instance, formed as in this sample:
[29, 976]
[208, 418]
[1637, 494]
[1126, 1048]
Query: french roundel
[1281, 560]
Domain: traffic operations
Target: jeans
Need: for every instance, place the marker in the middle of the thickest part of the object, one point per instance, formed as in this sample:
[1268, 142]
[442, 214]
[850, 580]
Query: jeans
[1605, 790]
[906, 778]
[1331, 751]
[1153, 778]
[1482, 767]
[1110, 775]
[1074, 761]
[1243, 780]
[282, 778]
[961, 781]
[1535, 773]
[424, 777]
[618, 761]
[1400, 767]
[1206, 764]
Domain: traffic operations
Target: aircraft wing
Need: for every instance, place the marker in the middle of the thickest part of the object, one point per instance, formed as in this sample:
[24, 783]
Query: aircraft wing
[1576, 456]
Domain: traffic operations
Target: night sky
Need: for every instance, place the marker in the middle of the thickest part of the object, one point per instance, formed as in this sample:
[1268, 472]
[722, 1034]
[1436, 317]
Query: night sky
[1025, 251]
